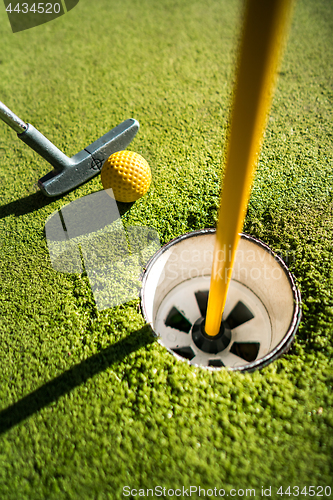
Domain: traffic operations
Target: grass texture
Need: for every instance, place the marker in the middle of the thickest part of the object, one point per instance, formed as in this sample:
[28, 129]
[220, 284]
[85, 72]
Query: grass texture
[90, 402]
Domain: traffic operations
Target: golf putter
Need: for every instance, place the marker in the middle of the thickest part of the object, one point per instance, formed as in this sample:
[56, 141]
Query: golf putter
[71, 172]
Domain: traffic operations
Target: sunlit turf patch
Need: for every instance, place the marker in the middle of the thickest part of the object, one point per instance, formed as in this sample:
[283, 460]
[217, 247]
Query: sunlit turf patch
[140, 416]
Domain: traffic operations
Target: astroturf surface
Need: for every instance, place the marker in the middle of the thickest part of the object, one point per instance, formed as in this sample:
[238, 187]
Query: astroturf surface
[90, 402]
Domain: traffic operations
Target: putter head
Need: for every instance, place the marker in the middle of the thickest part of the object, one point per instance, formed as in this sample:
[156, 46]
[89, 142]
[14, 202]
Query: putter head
[86, 164]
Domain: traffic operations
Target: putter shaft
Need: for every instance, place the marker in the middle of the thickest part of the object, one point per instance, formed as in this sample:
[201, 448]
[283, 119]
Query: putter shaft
[11, 119]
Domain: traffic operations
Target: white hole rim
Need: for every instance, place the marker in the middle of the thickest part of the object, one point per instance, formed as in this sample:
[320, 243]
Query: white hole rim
[289, 336]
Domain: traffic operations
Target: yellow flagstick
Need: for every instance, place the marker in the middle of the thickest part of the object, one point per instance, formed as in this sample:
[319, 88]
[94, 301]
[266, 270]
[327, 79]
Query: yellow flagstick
[263, 36]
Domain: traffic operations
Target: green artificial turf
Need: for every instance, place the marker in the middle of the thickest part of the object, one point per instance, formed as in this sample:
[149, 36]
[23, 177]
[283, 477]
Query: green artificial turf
[90, 402]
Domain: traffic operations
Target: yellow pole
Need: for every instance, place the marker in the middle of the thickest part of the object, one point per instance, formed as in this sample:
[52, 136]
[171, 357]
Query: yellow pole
[261, 48]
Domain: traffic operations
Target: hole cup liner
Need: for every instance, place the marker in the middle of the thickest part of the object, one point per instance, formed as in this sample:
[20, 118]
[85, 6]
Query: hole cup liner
[263, 307]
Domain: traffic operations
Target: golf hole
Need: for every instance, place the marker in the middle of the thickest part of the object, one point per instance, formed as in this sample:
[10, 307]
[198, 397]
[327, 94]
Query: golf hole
[261, 315]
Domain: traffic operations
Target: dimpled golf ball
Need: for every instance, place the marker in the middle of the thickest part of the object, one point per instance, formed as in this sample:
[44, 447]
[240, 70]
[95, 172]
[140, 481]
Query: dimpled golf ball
[127, 174]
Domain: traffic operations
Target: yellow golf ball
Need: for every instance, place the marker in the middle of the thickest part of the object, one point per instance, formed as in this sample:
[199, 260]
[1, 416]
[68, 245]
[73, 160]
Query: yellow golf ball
[127, 174]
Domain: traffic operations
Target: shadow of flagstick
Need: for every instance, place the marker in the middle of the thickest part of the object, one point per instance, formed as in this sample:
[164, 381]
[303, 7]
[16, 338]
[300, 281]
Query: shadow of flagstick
[74, 377]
